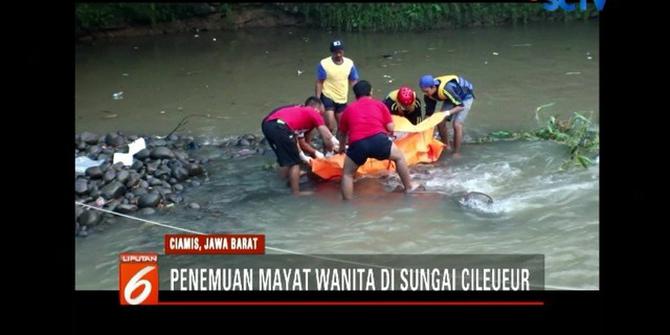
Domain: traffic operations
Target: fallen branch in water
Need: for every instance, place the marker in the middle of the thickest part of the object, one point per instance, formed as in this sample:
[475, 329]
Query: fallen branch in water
[577, 133]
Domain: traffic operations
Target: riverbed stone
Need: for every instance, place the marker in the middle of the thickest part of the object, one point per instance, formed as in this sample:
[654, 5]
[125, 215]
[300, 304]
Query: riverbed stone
[113, 190]
[149, 200]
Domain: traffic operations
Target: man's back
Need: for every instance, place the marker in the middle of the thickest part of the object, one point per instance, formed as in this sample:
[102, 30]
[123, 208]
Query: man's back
[363, 118]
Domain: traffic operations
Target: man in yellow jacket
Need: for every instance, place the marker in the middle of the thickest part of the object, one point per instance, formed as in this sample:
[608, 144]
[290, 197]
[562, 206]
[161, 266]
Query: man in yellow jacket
[334, 74]
[457, 95]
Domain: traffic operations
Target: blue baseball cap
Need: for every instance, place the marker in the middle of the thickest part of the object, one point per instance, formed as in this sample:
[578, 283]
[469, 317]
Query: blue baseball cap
[336, 45]
[427, 81]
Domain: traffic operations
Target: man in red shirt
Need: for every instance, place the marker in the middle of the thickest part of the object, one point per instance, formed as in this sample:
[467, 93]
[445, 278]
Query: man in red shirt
[367, 124]
[284, 125]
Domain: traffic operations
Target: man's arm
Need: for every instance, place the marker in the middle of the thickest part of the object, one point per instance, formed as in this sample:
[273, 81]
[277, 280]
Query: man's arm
[327, 137]
[430, 104]
[320, 77]
[353, 75]
[318, 89]
[306, 143]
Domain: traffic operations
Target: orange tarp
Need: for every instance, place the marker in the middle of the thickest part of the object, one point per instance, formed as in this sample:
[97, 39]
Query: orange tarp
[415, 141]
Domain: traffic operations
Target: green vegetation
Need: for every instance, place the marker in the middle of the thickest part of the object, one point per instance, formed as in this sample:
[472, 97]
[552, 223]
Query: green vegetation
[577, 133]
[423, 16]
[95, 16]
[333, 16]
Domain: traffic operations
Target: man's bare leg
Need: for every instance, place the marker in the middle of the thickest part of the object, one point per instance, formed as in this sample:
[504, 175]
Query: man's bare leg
[294, 179]
[458, 138]
[348, 178]
[444, 134]
[331, 122]
[401, 166]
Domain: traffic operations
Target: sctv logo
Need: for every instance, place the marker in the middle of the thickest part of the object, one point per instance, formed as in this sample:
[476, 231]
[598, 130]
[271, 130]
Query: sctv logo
[552, 5]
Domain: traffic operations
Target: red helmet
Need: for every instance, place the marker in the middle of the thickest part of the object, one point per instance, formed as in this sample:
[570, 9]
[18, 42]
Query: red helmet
[405, 96]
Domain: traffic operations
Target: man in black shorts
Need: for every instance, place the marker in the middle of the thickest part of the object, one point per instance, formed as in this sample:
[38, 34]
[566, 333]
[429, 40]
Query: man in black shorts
[282, 127]
[367, 124]
[334, 74]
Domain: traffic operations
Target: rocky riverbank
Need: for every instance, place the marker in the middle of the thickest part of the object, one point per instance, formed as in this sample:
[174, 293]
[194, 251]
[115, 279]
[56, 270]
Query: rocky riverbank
[158, 178]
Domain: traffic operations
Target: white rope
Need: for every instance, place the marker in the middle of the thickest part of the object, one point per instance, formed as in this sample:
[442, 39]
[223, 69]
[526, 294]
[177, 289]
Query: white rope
[267, 247]
[199, 233]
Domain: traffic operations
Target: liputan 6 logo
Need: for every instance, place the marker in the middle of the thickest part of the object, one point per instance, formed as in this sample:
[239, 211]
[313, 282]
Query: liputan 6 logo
[138, 278]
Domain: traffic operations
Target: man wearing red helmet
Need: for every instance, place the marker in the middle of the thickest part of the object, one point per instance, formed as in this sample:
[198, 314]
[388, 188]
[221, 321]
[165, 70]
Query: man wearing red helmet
[403, 102]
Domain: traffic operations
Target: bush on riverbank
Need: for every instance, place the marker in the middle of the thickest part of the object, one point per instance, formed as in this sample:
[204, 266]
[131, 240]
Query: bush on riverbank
[332, 16]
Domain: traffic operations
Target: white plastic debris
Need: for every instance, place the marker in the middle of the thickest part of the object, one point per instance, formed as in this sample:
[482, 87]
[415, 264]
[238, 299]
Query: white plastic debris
[214, 39]
[495, 53]
[572, 73]
[196, 35]
[162, 112]
[125, 74]
[133, 148]
[486, 62]
[589, 58]
[117, 95]
[82, 163]
[387, 76]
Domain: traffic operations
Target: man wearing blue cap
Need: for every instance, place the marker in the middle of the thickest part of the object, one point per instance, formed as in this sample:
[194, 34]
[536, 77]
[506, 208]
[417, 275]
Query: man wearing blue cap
[334, 74]
[456, 95]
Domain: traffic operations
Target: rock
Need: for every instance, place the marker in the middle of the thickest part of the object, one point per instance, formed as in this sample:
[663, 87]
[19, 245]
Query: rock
[103, 157]
[81, 145]
[143, 154]
[243, 142]
[114, 140]
[111, 206]
[146, 211]
[122, 176]
[194, 169]
[132, 181]
[78, 210]
[89, 218]
[109, 175]
[137, 165]
[175, 198]
[113, 190]
[173, 138]
[126, 209]
[162, 171]
[118, 166]
[178, 187]
[152, 166]
[140, 192]
[172, 181]
[81, 186]
[155, 182]
[181, 155]
[149, 200]
[143, 184]
[195, 183]
[158, 143]
[94, 172]
[89, 138]
[164, 191]
[94, 192]
[180, 173]
[194, 205]
[94, 150]
[132, 138]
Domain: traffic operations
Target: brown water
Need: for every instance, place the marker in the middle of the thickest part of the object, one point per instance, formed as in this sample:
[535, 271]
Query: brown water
[241, 76]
